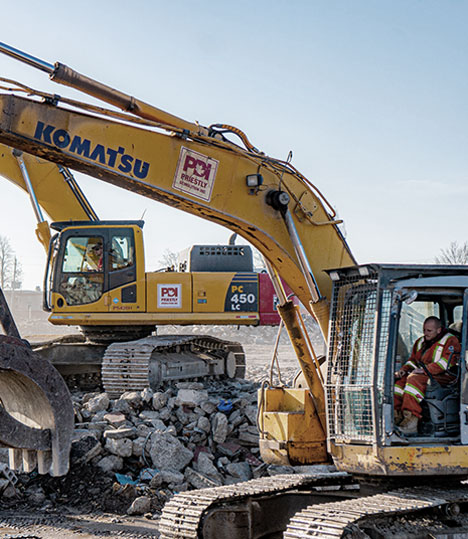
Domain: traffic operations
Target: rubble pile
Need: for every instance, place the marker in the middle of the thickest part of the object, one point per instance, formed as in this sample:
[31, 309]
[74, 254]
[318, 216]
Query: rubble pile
[131, 454]
[191, 435]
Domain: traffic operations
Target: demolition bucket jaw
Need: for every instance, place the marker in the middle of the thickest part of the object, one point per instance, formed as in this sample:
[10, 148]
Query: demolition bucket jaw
[36, 411]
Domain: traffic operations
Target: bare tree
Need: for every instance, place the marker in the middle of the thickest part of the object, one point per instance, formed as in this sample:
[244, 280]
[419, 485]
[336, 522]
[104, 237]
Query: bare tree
[169, 259]
[453, 254]
[7, 256]
[16, 275]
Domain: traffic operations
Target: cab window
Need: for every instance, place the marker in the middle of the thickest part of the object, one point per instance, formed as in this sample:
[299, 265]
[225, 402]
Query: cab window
[82, 277]
[122, 252]
[411, 326]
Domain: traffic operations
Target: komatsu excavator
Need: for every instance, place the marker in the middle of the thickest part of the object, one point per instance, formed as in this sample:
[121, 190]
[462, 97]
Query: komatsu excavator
[111, 297]
[369, 314]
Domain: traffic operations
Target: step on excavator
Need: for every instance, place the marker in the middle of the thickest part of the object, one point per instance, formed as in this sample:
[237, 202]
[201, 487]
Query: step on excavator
[370, 315]
[96, 279]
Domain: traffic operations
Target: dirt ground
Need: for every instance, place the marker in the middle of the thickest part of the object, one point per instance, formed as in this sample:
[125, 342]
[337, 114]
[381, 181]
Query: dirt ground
[76, 513]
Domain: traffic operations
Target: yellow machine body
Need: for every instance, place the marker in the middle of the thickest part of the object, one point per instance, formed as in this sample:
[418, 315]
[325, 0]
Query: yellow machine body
[290, 431]
[82, 293]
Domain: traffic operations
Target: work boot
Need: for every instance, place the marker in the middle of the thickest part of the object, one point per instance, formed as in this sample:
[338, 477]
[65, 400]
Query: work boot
[409, 423]
[397, 416]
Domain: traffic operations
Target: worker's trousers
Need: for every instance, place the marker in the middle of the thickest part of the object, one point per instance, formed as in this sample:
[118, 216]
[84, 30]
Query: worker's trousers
[411, 389]
[409, 392]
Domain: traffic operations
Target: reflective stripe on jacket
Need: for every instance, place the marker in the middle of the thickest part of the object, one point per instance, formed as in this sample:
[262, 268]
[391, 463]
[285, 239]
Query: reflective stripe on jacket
[437, 356]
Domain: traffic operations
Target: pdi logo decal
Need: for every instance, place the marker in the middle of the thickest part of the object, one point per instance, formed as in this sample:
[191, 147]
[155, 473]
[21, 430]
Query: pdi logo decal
[195, 174]
[169, 296]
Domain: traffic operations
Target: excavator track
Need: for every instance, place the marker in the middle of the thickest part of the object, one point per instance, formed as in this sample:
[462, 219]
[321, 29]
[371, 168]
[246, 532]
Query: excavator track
[352, 518]
[187, 514]
[148, 362]
[76, 359]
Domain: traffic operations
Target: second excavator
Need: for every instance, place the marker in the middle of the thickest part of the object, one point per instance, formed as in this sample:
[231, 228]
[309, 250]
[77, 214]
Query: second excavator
[96, 280]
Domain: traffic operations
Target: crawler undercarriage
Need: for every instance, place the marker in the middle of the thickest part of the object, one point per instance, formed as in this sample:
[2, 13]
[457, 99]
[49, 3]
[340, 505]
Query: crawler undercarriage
[325, 505]
[147, 362]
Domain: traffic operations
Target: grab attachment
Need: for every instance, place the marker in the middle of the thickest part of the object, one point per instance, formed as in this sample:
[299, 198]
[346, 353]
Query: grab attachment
[36, 411]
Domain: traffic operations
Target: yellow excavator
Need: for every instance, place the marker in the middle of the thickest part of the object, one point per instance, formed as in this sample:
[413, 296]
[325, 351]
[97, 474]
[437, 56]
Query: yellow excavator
[369, 314]
[108, 293]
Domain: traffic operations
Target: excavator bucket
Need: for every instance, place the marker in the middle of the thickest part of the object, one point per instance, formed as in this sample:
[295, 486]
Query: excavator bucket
[36, 411]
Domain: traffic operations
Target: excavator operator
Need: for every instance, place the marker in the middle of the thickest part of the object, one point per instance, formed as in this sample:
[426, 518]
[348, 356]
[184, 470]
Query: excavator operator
[437, 350]
[94, 257]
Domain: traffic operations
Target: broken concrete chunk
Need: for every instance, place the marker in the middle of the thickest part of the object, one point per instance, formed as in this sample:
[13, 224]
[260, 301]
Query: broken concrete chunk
[111, 463]
[204, 424]
[140, 506]
[240, 470]
[251, 414]
[230, 449]
[205, 466]
[133, 398]
[118, 434]
[219, 426]
[98, 403]
[168, 453]
[115, 419]
[209, 406]
[159, 400]
[120, 447]
[146, 394]
[191, 397]
[198, 480]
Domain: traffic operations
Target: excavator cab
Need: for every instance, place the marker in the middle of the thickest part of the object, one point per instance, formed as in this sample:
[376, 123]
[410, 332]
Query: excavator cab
[377, 314]
[95, 267]
[87, 260]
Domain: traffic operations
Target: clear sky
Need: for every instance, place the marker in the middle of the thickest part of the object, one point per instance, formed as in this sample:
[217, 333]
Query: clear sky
[371, 97]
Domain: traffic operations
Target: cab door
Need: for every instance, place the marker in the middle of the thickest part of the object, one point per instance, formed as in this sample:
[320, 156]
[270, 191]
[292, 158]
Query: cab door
[125, 275]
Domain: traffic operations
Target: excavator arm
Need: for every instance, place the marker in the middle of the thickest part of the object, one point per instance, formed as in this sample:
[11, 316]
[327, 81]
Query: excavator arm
[51, 188]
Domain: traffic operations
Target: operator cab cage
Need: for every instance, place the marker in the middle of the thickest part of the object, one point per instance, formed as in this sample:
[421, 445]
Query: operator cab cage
[377, 313]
